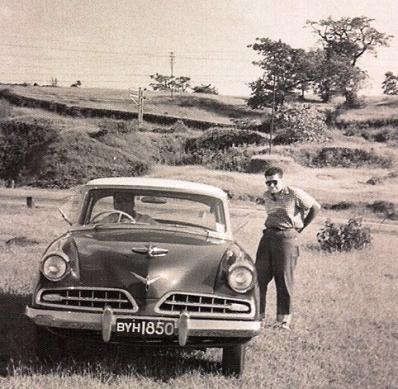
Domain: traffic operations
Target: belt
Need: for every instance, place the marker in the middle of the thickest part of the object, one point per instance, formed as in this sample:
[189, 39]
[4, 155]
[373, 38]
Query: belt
[278, 229]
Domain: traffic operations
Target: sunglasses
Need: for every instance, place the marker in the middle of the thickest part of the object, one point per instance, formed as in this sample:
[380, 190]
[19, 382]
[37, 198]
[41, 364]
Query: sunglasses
[271, 182]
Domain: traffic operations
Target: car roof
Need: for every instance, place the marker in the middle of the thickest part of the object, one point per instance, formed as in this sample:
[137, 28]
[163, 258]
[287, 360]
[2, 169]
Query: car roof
[158, 183]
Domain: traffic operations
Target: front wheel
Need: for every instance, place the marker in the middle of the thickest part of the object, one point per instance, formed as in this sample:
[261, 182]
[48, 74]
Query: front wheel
[233, 360]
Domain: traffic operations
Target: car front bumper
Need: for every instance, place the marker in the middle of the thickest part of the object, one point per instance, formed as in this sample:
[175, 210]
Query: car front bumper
[106, 323]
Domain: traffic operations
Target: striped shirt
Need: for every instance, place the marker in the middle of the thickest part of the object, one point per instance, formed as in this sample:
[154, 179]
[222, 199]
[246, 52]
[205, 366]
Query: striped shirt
[288, 208]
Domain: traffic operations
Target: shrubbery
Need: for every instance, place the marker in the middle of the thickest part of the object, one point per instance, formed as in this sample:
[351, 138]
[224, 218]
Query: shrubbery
[22, 146]
[344, 237]
[234, 159]
[223, 138]
[299, 123]
[348, 157]
[224, 149]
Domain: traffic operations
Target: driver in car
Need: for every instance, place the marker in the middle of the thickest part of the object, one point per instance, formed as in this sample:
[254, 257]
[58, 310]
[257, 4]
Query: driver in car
[125, 202]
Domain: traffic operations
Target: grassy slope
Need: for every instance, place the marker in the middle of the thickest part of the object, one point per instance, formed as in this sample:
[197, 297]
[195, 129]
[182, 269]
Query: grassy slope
[344, 329]
[197, 106]
[375, 108]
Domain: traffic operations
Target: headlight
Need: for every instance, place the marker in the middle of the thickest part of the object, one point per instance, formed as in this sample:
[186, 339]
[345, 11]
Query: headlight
[54, 267]
[240, 278]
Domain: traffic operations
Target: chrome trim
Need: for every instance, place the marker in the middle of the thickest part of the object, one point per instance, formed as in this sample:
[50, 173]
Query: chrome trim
[231, 300]
[94, 321]
[129, 298]
[108, 320]
[151, 251]
[183, 328]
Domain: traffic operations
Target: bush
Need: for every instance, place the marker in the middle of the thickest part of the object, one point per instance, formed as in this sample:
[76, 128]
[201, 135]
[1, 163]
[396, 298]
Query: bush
[344, 237]
[388, 209]
[223, 138]
[22, 146]
[249, 124]
[203, 88]
[233, 159]
[300, 123]
[347, 157]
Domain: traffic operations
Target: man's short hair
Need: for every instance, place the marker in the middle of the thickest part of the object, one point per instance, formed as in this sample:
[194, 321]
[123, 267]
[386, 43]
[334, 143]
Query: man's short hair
[271, 171]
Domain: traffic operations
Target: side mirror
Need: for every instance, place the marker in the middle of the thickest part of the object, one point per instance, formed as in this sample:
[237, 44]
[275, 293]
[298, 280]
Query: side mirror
[64, 216]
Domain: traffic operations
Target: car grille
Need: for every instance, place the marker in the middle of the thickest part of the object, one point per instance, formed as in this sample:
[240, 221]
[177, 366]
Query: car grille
[90, 299]
[204, 305]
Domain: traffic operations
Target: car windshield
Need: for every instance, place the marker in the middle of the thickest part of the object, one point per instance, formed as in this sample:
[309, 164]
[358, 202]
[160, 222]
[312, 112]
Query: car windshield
[150, 207]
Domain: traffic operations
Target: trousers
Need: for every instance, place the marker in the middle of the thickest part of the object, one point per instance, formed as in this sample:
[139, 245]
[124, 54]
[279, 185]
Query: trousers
[276, 259]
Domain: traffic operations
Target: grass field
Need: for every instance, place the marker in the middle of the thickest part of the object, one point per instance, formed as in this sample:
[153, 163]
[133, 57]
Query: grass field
[374, 108]
[345, 330]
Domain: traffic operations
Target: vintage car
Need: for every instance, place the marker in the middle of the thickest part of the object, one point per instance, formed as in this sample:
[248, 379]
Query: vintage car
[149, 262]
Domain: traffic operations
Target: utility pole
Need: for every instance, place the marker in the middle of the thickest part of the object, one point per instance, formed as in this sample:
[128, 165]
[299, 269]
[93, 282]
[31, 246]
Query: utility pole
[172, 57]
[271, 135]
[140, 106]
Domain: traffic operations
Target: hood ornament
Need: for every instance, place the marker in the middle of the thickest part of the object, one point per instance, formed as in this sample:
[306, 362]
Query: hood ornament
[146, 281]
[150, 250]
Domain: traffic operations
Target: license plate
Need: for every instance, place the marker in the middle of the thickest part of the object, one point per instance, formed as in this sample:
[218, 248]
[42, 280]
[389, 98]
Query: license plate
[144, 327]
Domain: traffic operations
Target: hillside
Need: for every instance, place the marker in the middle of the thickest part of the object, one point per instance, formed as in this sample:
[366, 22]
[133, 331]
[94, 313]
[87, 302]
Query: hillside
[376, 111]
[201, 107]
[43, 147]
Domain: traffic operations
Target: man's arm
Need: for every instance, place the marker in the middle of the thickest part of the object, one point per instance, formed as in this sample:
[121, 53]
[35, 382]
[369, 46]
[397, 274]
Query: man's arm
[310, 216]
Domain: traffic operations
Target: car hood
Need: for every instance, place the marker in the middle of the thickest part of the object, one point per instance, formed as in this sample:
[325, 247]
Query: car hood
[117, 258]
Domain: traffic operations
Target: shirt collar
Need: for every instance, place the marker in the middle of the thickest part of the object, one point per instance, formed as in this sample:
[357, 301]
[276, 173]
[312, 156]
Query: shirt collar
[284, 191]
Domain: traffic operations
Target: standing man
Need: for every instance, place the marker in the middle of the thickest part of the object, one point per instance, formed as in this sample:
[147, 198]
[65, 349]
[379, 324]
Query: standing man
[289, 210]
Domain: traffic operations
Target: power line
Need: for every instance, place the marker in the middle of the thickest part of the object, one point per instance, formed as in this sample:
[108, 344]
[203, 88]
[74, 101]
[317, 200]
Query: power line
[81, 74]
[83, 50]
[74, 42]
[130, 53]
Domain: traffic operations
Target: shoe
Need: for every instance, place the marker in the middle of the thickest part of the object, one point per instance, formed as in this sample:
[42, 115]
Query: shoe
[277, 324]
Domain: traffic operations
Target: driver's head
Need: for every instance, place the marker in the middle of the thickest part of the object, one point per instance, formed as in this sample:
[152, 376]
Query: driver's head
[124, 201]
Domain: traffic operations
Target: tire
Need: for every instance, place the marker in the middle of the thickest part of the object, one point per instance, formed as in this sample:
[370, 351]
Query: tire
[233, 360]
[49, 347]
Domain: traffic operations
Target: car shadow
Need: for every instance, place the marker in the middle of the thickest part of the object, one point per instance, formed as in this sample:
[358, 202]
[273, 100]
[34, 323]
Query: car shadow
[17, 352]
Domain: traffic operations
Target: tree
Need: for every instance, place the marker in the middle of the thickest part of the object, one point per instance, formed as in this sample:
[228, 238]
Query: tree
[334, 75]
[54, 82]
[390, 84]
[349, 37]
[285, 73]
[181, 83]
[77, 84]
[344, 41]
[167, 83]
[161, 82]
[209, 89]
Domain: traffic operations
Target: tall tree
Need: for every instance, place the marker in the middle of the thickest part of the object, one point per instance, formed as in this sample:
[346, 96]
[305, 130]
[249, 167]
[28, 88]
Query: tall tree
[285, 73]
[334, 75]
[390, 84]
[344, 41]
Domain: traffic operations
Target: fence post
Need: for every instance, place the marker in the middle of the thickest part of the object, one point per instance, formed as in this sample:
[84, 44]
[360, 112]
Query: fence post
[29, 201]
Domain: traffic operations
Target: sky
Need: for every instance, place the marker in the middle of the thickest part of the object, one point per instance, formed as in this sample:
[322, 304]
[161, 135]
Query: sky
[119, 43]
